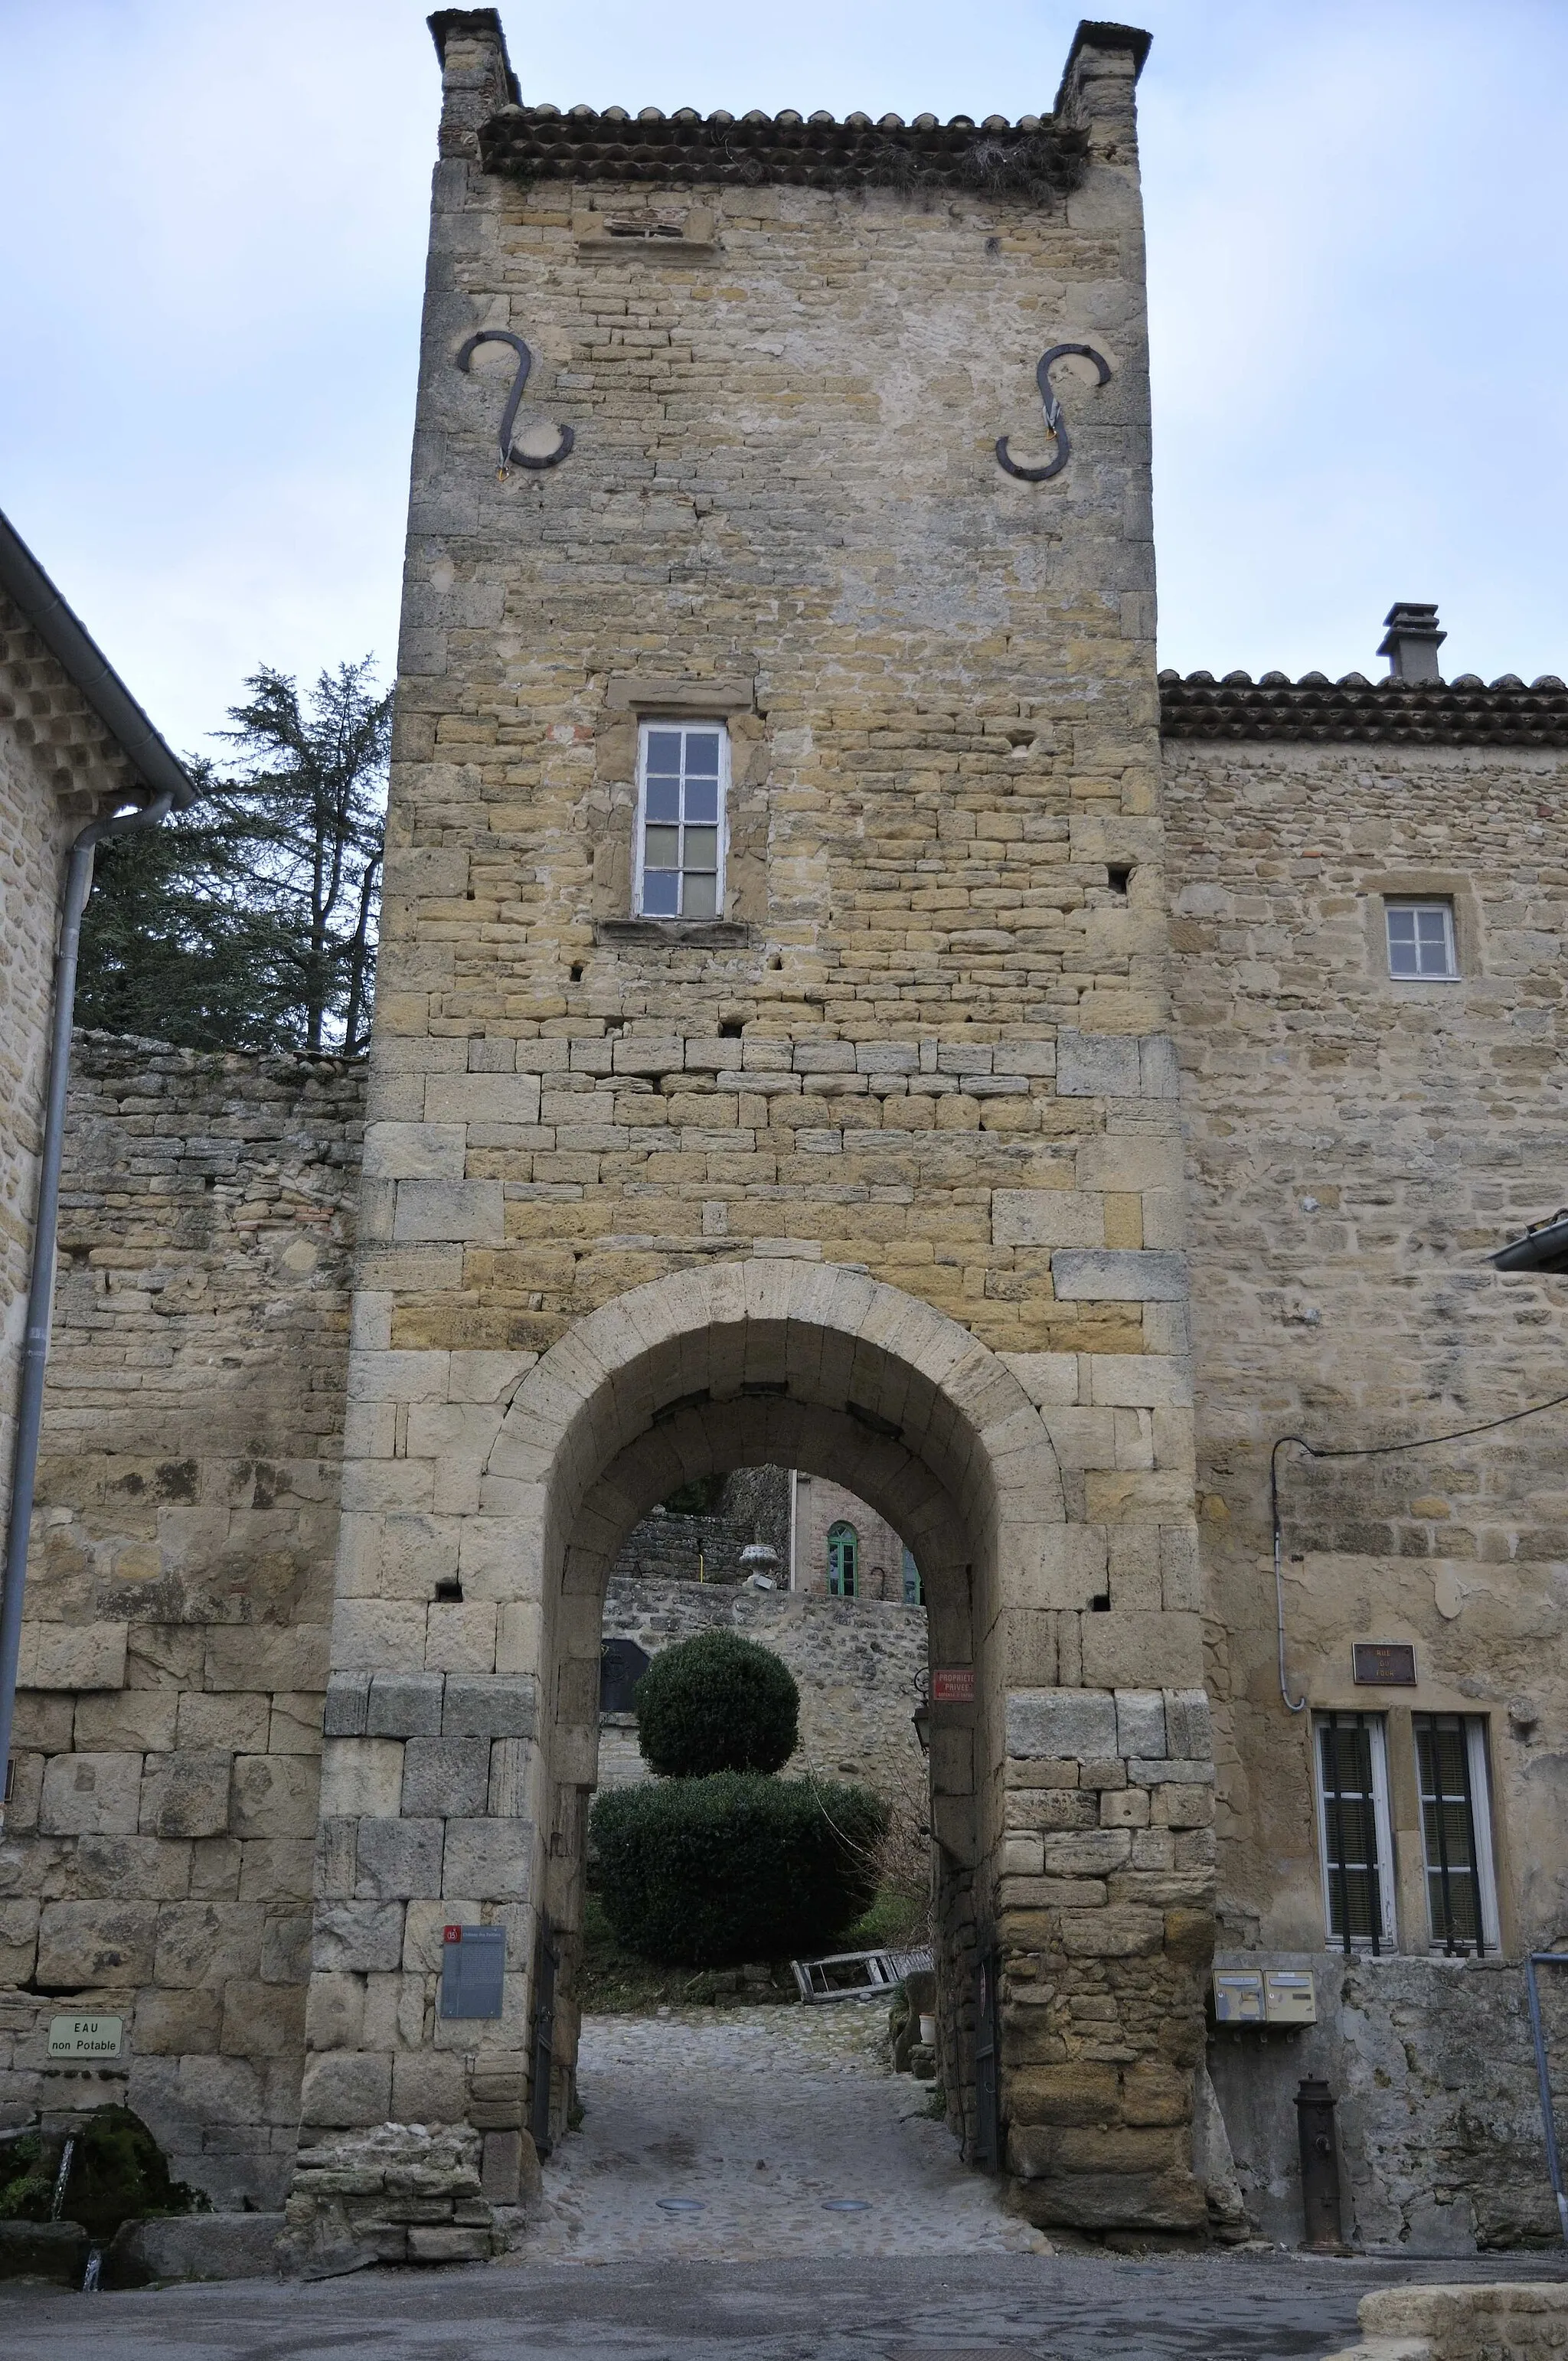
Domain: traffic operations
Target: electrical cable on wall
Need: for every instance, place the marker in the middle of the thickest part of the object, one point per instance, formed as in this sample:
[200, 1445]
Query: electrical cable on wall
[1365, 1450]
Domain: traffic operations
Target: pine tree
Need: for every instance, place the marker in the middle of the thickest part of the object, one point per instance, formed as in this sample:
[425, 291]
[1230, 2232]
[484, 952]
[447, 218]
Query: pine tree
[250, 922]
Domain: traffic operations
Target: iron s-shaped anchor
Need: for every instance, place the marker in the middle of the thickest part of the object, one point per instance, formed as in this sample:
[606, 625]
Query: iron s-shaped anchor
[1055, 423]
[509, 450]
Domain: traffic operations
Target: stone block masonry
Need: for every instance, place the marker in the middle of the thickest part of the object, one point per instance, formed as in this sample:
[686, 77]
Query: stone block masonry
[157, 1862]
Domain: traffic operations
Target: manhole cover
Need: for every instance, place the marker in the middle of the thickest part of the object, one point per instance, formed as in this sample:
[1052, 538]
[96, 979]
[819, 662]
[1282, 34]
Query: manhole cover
[682, 2204]
[846, 2205]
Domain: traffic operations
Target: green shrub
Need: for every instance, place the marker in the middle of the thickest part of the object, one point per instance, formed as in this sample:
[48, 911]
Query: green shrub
[709, 1873]
[716, 1703]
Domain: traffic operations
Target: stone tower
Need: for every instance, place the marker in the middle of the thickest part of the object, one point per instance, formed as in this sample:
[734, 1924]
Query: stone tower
[772, 1066]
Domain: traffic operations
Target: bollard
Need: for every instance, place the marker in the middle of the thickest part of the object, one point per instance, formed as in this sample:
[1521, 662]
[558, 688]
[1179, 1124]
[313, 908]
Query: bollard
[1319, 2165]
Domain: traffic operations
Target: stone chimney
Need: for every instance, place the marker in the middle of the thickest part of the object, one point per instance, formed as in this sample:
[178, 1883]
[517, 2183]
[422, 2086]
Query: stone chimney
[477, 78]
[1097, 85]
[1411, 641]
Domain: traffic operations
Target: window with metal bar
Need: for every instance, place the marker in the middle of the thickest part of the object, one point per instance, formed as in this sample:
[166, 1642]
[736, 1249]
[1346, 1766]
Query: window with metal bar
[1357, 1849]
[1451, 1769]
[682, 775]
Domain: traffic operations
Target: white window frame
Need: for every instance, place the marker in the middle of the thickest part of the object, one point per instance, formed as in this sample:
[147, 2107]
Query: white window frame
[1481, 1814]
[1422, 902]
[1382, 1830]
[646, 723]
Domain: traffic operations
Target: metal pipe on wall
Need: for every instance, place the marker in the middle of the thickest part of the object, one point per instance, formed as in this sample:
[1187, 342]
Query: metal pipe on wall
[41, 1290]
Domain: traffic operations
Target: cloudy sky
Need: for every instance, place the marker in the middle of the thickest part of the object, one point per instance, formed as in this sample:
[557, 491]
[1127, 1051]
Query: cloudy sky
[212, 216]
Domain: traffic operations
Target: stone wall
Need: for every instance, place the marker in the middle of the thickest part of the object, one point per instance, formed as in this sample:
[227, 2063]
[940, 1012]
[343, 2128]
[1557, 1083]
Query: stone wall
[1358, 1146]
[157, 1859]
[855, 1663]
[1439, 2111]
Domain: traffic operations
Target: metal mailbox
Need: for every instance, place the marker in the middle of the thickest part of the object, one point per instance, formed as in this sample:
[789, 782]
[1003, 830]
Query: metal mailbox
[1289, 1996]
[1238, 1996]
[473, 1971]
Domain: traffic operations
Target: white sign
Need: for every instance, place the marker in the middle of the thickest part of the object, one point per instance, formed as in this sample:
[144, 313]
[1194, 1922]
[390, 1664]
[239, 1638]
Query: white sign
[85, 2036]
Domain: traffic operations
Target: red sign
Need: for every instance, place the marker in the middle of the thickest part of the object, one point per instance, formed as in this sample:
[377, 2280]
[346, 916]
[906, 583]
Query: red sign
[953, 1684]
[452, 1934]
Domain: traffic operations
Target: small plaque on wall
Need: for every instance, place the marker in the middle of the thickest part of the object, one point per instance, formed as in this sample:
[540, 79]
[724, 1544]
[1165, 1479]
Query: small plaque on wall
[1384, 1663]
[473, 1971]
[952, 1684]
[85, 2036]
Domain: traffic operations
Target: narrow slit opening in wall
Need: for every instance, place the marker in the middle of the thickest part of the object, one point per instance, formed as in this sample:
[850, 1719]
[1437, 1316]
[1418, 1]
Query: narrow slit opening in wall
[1119, 877]
[576, 970]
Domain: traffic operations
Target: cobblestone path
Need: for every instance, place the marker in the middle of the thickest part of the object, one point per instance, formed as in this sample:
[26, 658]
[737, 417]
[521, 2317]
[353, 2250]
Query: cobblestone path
[736, 2136]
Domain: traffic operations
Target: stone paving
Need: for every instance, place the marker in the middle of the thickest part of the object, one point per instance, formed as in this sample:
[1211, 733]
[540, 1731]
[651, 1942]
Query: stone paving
[740, 2136]
[985, 2306]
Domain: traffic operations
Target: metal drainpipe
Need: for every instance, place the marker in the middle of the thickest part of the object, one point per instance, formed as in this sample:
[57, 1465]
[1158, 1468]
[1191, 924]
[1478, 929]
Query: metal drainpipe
[793, 1490]
[41, 1291]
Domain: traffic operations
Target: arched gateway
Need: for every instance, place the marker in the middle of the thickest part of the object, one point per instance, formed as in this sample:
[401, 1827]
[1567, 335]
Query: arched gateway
[488, 1772]
[771, 1064]
[806, 1365]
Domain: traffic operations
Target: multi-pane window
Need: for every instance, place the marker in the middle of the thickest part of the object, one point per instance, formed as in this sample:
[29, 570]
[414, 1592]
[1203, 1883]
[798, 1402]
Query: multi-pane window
[843, 1562]
[913, 1595]
[1357, 1851]
[1457, 1836]
[1420, 940]
[680, 819]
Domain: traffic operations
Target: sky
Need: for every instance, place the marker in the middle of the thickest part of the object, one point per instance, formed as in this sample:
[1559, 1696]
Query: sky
[211, 241]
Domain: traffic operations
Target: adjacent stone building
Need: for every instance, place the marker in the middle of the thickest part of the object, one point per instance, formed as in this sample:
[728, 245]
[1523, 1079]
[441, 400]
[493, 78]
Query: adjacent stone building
[1360, 1141]
[74, 746]
[843, 1549]
[811, 930]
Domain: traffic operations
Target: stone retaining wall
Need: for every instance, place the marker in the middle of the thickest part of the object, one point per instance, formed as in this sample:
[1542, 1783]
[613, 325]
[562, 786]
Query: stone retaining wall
[1512, 2320]
[855, 1662]
[157, 1861]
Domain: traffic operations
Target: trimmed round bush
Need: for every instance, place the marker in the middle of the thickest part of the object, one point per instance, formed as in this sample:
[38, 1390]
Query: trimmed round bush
[709, 1873]
[717, 1702]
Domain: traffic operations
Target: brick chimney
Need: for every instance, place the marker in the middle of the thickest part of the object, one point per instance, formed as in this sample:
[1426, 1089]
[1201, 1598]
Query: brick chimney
[1411, 641]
